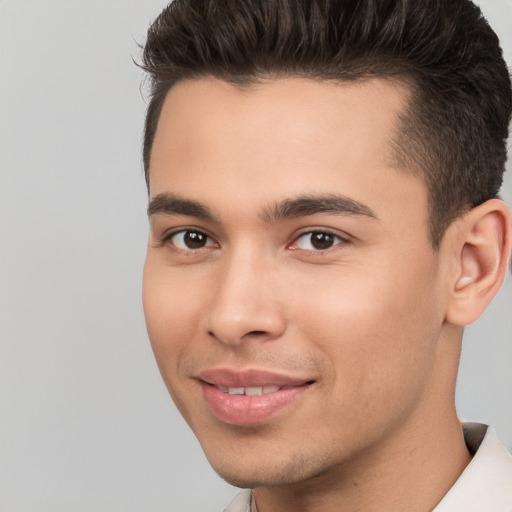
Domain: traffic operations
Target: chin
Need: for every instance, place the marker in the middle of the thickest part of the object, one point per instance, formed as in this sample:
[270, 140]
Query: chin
[265, 473]
[242, 483]
[252, 481]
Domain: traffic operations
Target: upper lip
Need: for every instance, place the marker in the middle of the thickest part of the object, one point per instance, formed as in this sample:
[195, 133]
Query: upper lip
[230, 378]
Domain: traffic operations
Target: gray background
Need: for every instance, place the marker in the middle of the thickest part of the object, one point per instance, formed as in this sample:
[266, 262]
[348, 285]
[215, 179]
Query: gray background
[85, 422]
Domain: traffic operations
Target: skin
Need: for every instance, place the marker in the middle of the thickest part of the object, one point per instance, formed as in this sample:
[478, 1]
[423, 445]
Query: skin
[367, 319]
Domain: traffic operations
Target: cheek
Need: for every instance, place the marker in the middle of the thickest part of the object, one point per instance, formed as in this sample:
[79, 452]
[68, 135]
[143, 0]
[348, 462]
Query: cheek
[377, 334]
[169, 314]
[170, 322]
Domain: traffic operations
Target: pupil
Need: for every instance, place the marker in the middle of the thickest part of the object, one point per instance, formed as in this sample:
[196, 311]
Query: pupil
[322, 240]
[194, 240]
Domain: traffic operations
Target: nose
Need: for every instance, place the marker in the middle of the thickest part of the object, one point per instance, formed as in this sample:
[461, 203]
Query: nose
[245, 304]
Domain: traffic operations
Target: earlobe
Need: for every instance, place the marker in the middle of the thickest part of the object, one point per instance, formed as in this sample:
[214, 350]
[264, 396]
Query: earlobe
[482, 251]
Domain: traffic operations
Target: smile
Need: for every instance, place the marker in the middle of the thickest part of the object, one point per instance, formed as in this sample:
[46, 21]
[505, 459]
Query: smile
[250, 391]
[250, 397]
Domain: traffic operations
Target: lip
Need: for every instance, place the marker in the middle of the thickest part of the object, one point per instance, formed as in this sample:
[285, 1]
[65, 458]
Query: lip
[244, 409]
[231, 378]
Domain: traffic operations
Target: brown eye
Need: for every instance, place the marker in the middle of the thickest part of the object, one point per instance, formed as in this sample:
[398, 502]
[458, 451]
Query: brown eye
[322, 240]
[317, 241]
[191, 240]
[194, 240]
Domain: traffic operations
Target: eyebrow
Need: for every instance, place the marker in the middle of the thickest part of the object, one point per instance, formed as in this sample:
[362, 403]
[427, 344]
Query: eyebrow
[172, 204]
[302, 206]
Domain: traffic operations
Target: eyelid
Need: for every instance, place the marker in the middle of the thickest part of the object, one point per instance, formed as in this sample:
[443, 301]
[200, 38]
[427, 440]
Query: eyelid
[167, 236]
[342, 239]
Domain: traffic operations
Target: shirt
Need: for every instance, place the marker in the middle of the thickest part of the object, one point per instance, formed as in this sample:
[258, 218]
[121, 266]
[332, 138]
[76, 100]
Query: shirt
[484, 486]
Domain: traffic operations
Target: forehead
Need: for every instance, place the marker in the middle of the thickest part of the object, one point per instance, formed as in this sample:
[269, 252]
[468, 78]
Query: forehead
[277, 139]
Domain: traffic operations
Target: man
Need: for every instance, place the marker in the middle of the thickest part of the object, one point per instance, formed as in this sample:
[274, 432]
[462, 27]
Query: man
[323, 180]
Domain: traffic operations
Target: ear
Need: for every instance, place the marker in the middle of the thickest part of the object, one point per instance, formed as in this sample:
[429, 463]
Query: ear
[482, 241]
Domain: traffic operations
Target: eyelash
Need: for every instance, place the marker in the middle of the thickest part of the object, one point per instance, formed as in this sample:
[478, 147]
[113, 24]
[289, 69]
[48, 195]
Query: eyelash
[168, 238]
[337, 240]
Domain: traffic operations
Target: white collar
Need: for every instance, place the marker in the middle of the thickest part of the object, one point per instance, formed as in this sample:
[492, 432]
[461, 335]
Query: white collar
[486, 483]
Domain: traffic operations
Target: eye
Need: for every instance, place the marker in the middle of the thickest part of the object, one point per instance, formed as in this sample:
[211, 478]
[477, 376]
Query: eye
[190, 240]
[316, 241]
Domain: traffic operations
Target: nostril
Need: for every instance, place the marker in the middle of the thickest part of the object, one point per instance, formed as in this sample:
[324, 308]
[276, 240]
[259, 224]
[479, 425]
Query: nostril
[256, 333]
[236, 338]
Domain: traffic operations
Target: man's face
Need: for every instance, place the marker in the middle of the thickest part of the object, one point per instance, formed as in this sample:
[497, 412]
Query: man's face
[292, 297]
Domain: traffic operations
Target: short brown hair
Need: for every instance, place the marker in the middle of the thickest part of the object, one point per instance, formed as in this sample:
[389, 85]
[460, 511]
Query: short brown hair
[455, 128]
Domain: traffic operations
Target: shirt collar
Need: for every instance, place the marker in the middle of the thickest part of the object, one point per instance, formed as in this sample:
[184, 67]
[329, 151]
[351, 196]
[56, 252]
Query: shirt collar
[486, 483]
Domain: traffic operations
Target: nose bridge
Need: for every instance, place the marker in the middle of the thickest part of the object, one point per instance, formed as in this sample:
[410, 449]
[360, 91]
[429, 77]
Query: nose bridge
[243, 305]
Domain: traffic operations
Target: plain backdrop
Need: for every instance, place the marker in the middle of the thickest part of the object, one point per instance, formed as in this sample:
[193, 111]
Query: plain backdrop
[85, 421]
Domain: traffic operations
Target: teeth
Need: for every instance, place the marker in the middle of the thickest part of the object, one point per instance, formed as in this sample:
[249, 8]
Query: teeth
[251, 391]
[261, 391]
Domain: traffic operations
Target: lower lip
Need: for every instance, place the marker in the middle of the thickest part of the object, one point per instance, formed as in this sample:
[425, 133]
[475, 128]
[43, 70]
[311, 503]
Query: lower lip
[249, 409]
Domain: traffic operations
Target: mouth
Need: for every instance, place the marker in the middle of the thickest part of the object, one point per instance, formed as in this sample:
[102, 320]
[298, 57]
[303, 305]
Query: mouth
[249, 391]
[250, 397]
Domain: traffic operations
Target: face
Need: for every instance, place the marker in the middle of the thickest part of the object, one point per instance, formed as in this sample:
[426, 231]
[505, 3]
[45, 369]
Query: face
[292, 296]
